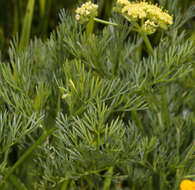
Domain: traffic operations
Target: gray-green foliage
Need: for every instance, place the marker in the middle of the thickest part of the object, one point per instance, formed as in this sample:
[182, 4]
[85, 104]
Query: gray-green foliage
[119, 113]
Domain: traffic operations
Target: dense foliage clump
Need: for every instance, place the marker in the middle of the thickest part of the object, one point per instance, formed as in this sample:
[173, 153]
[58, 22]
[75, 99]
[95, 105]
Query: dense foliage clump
[94, 109]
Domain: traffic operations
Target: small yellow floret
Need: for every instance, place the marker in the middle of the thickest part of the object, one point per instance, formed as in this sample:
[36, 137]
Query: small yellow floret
[123, 2]
[149, 27]
[87, 11]
[187, 185]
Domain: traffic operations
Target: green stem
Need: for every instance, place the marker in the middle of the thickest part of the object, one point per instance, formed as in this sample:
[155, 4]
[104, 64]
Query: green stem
[26, 28]
[98, 140]
[65, 184]
[105, 22]
[108, 179]
[138, 29]
[90, 27]
[41, 139]
[148, 44]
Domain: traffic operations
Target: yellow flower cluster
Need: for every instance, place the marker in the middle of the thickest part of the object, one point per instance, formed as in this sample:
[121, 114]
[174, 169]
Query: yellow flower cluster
[87, 11]
[151, 16]
[187, 185]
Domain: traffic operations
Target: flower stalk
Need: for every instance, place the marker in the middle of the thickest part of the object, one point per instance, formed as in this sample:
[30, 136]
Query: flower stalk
[147, 43]
[105, 22]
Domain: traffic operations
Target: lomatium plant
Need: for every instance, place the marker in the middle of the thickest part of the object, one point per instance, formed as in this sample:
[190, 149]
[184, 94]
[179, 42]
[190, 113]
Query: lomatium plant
[92, 109]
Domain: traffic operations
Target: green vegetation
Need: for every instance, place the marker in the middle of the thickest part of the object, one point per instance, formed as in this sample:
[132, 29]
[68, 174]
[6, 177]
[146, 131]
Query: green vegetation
[95, 110]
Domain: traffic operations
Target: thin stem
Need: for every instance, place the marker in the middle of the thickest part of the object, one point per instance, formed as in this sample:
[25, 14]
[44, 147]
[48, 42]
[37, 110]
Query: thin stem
[90, 27]
[148, 44]
[65, 184]
[98, 140]
[105, 22]
[108, 179]
[144, 36]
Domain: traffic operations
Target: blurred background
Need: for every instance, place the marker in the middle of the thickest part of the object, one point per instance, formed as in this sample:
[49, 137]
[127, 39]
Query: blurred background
[29, 18]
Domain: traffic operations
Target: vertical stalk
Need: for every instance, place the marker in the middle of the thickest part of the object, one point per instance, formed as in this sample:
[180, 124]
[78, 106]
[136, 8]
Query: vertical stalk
[90, 27]
[108, 179]
[147, 43]
[26, 28]
[106, 11]
[98, 140]
[65, 184]
[42, 7]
